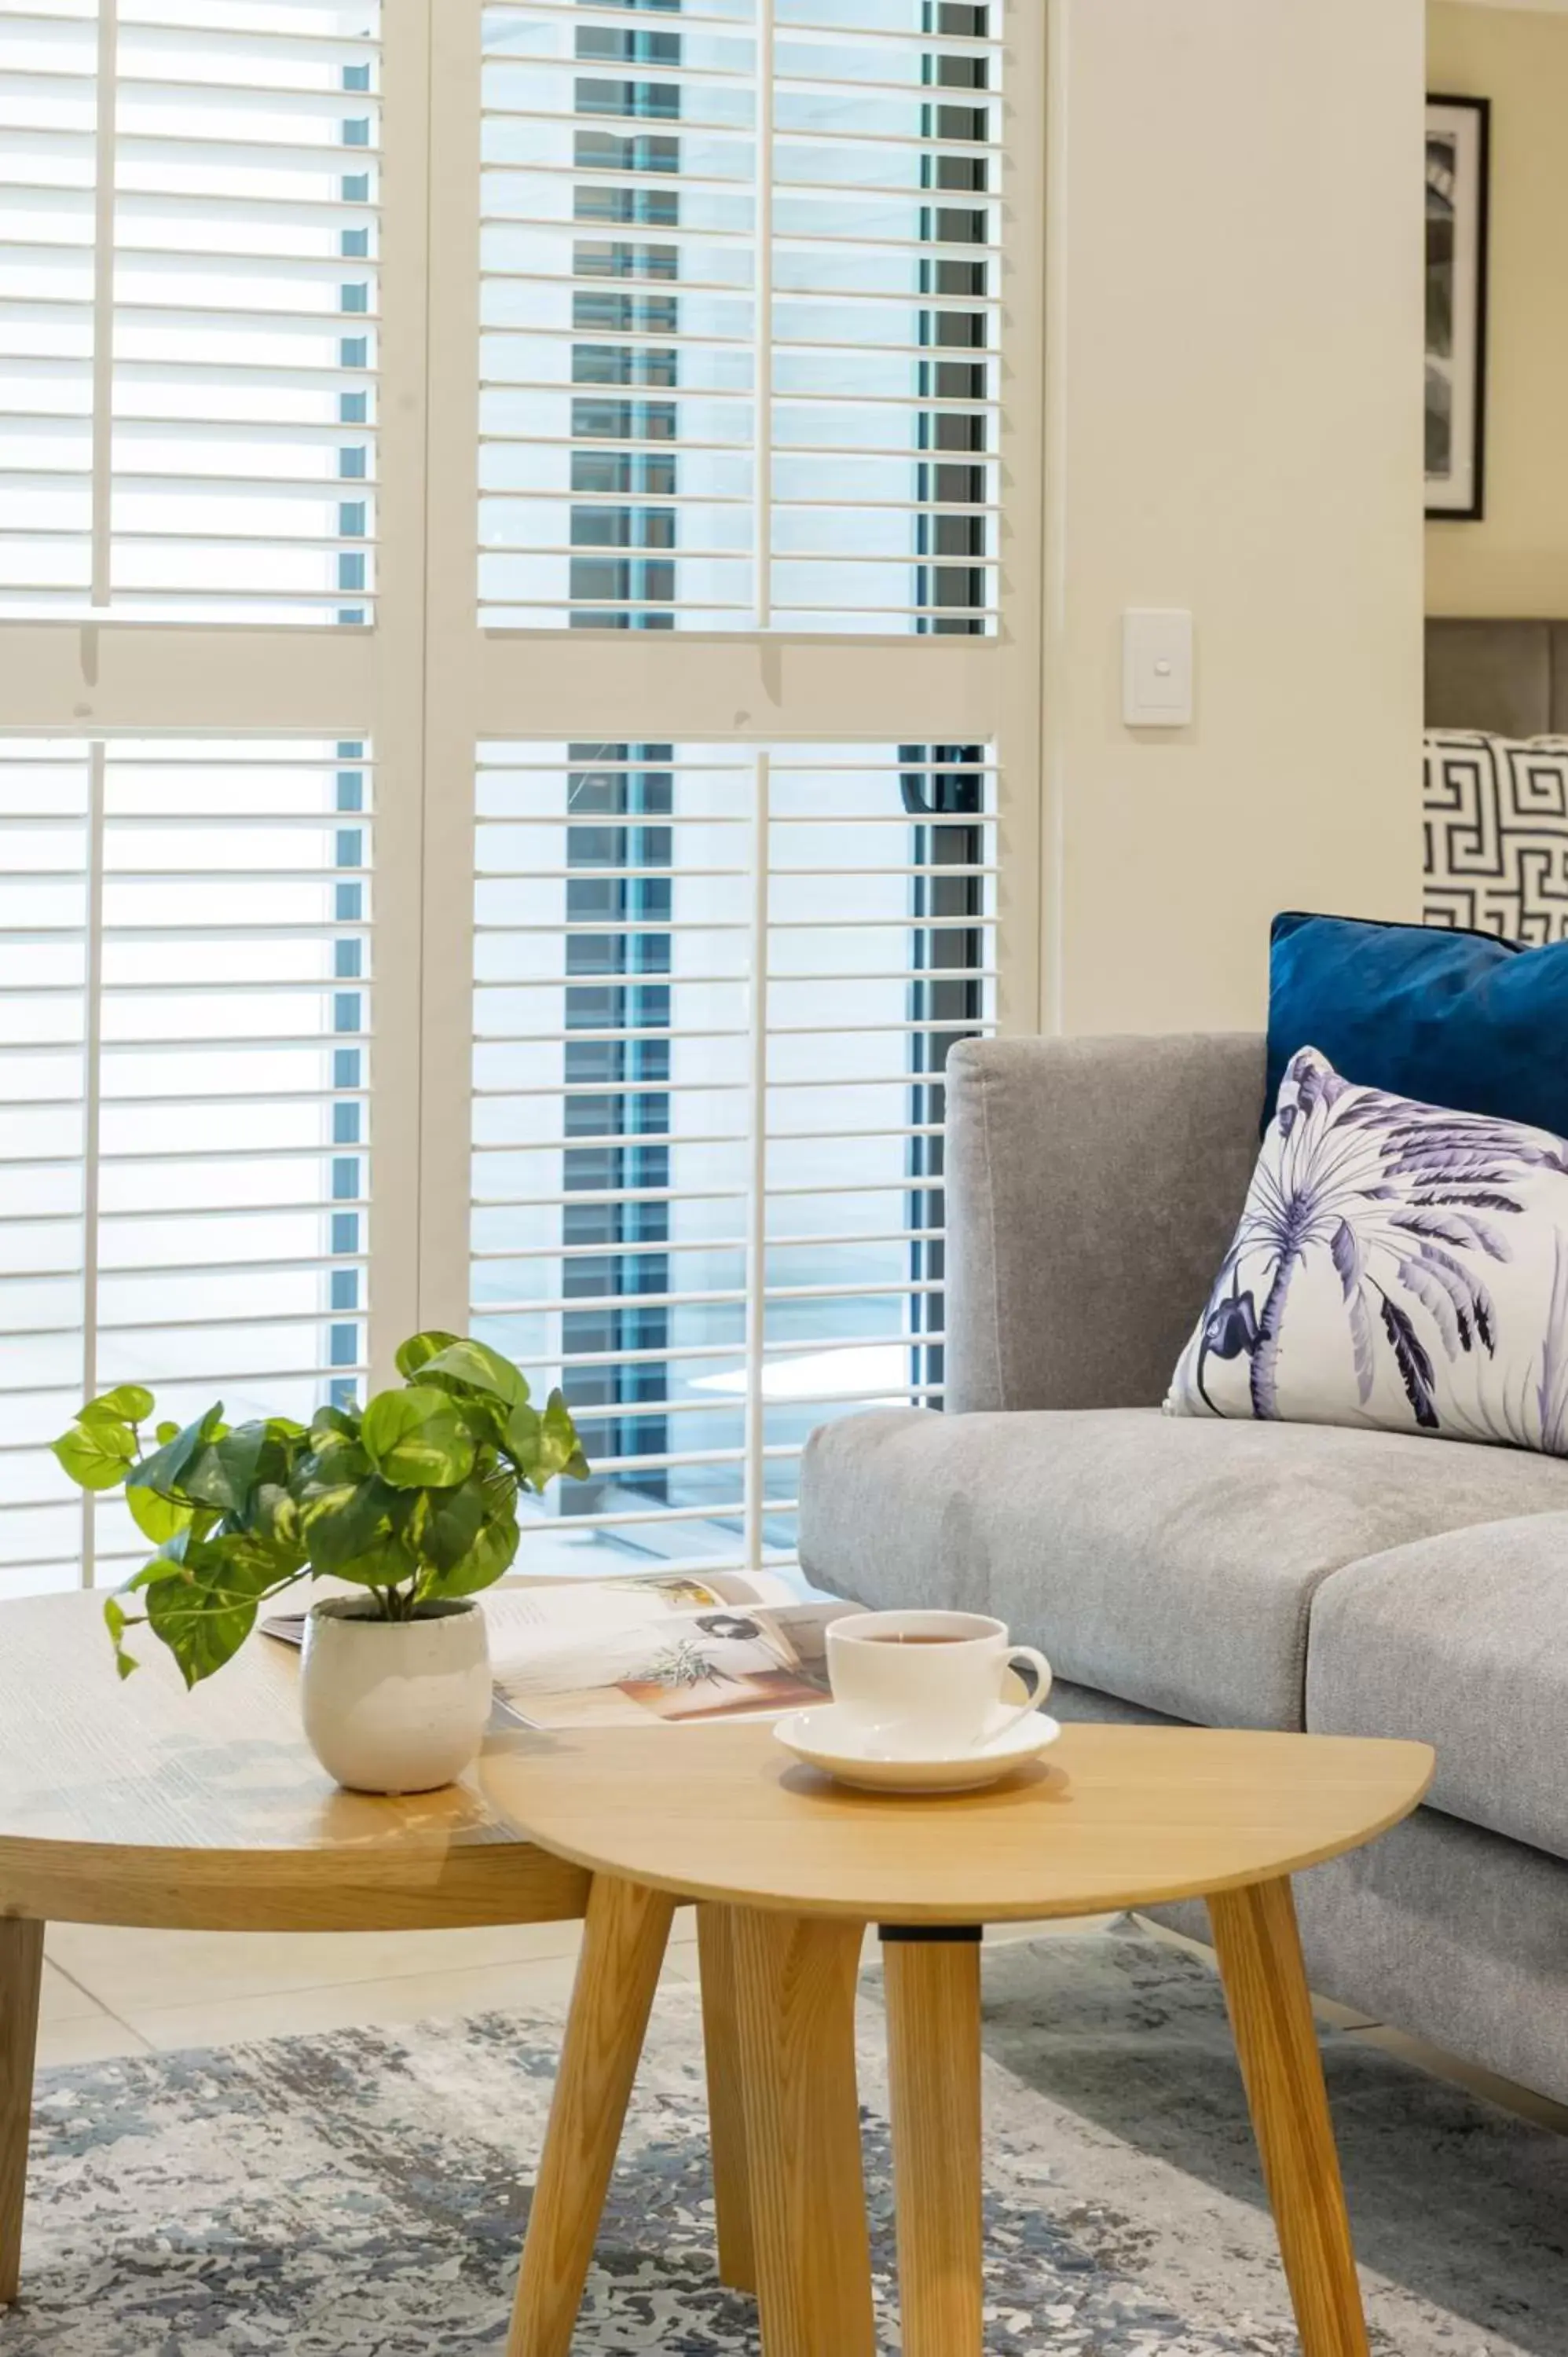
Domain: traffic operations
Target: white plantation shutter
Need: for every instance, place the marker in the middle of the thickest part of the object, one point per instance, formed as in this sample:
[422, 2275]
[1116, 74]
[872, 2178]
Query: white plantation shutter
[715, 989]
[740, 315]
[196, 321]
[188, 308]
[185, 1007]
[747, 667]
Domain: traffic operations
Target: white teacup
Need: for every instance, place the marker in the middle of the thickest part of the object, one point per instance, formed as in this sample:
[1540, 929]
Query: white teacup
[927, 1684]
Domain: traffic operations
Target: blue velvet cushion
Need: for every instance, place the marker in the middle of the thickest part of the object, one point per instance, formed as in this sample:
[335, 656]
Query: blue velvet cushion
[1454, 1019]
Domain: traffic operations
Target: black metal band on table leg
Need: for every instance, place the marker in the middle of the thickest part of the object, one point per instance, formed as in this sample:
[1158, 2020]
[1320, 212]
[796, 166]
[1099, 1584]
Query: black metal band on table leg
[928, 1930]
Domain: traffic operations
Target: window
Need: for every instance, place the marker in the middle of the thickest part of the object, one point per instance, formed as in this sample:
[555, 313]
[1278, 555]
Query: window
[560, 928]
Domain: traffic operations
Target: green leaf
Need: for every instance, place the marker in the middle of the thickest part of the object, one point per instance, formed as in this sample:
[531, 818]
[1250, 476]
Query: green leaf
[447, 1522]
[386, 1564]
[562, 1449]
[117, 1620]
[354, 1534]
[256, 1551]
[167, 1563]
[419, 1350]
[468, 1365]
[341, 1521]
[490, 1556]
[283, 1444]
[156, 1517]
[417, 1439]
[330, 1469]
[224, 1471]
[331, 1424]
[336, 1452]
[484, 1415]
[130, 1401]
[126, 1403]
[521, 1437]
[167, 1432]
[163, 1470]
[98, 1454]
[276, 1517]
[206, 1616]
[542, 1446]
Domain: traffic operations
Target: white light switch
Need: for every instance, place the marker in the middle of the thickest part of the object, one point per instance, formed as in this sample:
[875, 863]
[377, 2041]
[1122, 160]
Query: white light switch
[1156, 668]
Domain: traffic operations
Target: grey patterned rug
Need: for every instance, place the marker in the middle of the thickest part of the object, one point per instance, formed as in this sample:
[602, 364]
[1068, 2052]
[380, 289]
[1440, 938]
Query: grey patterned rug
[358, 2195]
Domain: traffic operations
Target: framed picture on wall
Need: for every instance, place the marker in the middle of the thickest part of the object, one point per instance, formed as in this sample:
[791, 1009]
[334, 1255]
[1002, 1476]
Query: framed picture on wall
[1458, 136]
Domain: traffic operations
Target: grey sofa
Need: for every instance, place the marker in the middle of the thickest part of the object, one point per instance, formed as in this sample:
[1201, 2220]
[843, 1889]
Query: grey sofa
[1231, 1573]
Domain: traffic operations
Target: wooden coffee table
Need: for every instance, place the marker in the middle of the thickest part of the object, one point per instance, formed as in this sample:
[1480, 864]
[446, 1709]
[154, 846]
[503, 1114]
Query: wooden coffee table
[138, 1804]
[788, 1869]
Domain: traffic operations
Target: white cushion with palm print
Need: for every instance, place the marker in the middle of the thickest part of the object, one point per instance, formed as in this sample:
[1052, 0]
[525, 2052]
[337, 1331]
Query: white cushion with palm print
[1396, 1264]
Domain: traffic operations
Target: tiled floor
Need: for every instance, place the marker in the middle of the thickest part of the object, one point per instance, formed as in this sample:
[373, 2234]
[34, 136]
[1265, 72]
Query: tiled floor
[110, 1992]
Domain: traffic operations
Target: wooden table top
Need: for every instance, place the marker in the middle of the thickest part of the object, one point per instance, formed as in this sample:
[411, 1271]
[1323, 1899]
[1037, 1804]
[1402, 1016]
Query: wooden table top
[134, 1801]
[1109, 1817]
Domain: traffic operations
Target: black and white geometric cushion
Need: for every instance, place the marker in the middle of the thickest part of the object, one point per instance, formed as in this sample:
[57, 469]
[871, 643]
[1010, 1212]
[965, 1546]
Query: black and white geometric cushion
[1497, 835]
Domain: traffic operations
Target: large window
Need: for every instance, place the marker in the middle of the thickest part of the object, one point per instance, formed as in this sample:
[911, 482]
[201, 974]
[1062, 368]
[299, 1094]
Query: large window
[560, 927]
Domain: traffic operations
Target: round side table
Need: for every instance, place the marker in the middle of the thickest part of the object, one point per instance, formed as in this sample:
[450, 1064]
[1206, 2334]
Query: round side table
[788, 1869]
[139, 1803]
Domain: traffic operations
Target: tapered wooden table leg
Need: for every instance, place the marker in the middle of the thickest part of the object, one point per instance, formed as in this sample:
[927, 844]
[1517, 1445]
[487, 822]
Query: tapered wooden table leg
[624, 1938]
[795, 1982]
[726, 2108]
[21, 1973]
[1265, 1987]
[933, 2054]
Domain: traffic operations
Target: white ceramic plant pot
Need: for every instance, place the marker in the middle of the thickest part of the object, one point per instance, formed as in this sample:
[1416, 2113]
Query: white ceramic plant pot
[395, 1706]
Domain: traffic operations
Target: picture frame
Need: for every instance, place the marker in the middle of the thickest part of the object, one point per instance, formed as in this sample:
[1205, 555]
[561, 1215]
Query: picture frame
[1458, 170]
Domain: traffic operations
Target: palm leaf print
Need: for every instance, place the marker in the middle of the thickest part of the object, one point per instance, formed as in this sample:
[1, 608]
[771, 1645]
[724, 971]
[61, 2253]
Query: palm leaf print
[1408, 1203]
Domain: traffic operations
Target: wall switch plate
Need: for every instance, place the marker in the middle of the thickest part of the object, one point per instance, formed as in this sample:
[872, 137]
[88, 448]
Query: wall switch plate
[1156, 668]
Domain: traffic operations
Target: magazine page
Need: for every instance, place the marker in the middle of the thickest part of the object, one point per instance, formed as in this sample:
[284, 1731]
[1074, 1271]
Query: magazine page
[520, 1620]
[686, 1669]
[522, 1616]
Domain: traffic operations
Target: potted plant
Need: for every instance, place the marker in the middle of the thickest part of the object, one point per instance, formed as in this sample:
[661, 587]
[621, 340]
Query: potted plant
[412, 1500]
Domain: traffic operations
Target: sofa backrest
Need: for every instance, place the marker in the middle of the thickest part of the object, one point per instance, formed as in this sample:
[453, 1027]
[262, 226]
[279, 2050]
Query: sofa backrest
[1093, 1186]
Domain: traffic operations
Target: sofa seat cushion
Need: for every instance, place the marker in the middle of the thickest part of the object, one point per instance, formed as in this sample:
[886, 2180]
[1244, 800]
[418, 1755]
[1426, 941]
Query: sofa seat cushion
[1168, 1561]
[1462, 1641]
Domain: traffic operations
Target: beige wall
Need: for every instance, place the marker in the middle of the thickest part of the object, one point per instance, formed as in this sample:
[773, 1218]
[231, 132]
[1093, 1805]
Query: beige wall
[1235, 331]
[1515, 561]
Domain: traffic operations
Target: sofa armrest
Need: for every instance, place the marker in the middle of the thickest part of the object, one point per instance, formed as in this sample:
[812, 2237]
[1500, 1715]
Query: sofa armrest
[1092, 1186]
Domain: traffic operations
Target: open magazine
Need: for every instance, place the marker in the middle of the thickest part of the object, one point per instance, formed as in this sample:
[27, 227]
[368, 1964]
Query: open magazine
[680, 1648]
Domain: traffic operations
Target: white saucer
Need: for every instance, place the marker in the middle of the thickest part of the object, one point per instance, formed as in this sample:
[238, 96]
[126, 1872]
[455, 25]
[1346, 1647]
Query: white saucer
[822, 1737]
